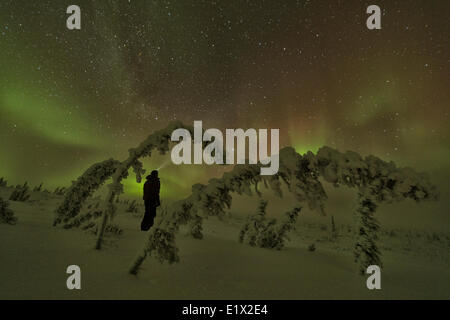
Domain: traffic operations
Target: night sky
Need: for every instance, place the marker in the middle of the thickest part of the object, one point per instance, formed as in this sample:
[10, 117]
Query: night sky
[310, 68]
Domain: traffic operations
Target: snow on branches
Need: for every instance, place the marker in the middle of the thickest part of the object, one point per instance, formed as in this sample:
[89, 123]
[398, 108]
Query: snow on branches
[366, 251]
[20, 193]
[159, 140]
[267, 233]
[83, 188]
[382, 181]
[376, 181]
[6, 214]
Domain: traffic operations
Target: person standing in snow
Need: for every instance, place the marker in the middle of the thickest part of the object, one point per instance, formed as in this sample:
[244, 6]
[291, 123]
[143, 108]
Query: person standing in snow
[151, 200]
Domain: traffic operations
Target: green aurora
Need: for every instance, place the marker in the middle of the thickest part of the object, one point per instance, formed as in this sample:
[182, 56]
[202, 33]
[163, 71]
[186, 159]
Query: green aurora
[69, 99]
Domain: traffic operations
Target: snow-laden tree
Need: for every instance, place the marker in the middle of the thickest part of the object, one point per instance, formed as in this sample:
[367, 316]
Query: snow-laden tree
[6, 214]
[267, 233]
[215, 197]
[83, 188]
[96, 176]
[373, 178]
[3, 182]
[20, 193]
[255, 225]
[60, 191]
[132, 207]
[38, 188]
[366, 251]
[159, 140]
[196, 227]
[376, 181]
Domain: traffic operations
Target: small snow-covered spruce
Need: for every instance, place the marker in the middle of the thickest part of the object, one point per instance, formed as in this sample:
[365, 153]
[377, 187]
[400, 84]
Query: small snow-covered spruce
[6, 214]
[196, 227]
[60, 191]
[20, 193]
[133, 208]
[366, 251]
[288, 224]
[267, 233]
[3, 182]
[255, 225]
[38, 188]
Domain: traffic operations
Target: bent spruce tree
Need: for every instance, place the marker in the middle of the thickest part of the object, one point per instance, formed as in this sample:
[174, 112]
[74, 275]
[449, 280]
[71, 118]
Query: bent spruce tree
[376, 182]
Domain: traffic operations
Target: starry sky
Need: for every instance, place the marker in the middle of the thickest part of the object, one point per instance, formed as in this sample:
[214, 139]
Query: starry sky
[69, 98]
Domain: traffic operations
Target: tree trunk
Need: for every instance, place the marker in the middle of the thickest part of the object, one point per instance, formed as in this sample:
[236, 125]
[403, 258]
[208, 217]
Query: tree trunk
[101, 231]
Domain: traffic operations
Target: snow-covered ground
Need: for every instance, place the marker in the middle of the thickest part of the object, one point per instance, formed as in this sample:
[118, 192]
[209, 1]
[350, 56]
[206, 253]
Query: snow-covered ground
[34, 257]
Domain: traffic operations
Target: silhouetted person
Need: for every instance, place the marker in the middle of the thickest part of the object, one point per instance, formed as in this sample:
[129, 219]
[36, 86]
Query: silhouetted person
[151, 200]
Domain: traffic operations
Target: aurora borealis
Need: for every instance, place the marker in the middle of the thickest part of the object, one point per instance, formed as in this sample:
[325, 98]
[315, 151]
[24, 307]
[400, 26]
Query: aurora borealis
[310, 68]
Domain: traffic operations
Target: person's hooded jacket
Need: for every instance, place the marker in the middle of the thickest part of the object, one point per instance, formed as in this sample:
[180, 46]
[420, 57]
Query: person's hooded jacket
[151, 191]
